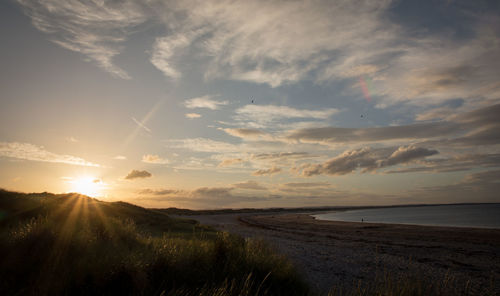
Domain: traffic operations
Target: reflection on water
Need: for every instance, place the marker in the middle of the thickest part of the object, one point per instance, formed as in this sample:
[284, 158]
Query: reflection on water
[478, 215]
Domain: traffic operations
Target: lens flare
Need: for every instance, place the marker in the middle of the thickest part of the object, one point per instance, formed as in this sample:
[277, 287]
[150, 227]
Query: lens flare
[365, 87]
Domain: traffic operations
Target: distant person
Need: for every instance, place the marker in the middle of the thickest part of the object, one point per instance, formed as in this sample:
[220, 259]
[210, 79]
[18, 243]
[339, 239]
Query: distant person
[362, 220]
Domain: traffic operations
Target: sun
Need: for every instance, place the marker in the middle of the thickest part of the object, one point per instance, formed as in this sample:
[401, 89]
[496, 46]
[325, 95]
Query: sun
[87, 186]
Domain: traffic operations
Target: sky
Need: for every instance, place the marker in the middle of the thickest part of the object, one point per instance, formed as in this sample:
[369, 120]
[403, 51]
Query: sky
[230, 104]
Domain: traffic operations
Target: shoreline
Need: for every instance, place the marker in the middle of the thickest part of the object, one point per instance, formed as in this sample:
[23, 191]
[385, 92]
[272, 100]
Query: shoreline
[418, 217]
[408, 224]
[339, 254]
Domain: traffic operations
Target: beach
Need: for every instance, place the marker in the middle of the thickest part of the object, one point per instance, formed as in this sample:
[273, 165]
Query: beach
[342, 254]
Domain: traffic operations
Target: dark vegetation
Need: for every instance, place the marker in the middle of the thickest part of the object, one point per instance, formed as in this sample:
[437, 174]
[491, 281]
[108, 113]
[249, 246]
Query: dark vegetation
[188, 212]
[71, 244]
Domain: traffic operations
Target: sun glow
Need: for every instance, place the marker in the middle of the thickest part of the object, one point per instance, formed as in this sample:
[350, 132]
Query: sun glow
[87, 186]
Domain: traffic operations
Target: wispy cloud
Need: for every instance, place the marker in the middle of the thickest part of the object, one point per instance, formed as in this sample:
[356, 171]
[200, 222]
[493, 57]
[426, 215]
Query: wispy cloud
[266, 114]
[72, 140]
[248, 134]
[153, 158]
[204, 102]
[203, 145]
[455, 163]
[230, 162]
[219, 40]
[192, 115]
[209, 197]
[251, 185]
[94, 28]
[38, 153]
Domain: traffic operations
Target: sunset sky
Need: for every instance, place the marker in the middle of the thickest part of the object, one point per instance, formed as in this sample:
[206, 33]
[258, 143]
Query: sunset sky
[210, 104]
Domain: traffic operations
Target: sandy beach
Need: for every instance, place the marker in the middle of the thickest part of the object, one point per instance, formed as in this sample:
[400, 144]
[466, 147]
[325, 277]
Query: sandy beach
[340, 254]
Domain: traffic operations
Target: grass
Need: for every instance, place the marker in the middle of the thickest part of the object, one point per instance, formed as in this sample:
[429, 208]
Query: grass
[75, 245]
[71, 244]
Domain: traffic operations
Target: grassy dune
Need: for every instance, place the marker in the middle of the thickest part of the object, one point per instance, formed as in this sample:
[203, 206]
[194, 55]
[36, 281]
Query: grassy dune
[75, 245]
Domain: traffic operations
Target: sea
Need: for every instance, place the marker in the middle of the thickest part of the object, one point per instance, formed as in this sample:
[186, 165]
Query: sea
[460, 215]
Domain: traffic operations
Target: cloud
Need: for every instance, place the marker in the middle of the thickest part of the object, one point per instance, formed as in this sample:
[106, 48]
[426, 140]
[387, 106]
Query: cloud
[398, 59]
[95, 29]
[477, 127]
[164, 50]
[248, 133]
[252, 185]
[366, 158]
[205, 197]
[373, 134]
[203, 145]
[266, 114]
[72, 140]
[281, 155]
[148, 191]
[204, 102]
[306, 184]
[120, 157]
[310, 190]
[230, 162]
[151, 158]
[262, 49]
[220, 41]
[270, 171]
[28, 151]
[136, 174]
[453, 164]
[192, 115]
[406, 154]
[202, 192]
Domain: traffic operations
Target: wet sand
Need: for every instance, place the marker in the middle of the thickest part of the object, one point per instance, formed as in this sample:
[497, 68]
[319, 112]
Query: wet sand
[333, 254]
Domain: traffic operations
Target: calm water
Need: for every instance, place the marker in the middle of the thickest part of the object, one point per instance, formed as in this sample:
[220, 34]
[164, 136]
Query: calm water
[483, 215]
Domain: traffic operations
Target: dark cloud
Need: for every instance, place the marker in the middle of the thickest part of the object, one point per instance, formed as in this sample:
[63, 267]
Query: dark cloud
[367, 159]
[253, 185]
[263, 172]
[374, 134]
[478, 127]
[135, 174]
[453, 164]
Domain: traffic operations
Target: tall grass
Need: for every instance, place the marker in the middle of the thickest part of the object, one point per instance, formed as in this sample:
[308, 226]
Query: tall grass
[78, 247]
[75, 245]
